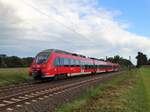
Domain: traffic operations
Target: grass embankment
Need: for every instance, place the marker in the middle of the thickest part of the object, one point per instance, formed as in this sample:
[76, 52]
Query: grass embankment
[13, 75]
[124, 93]
[145, 75]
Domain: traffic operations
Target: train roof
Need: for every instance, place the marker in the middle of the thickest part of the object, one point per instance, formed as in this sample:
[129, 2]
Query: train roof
[74, 54]
[64, 52]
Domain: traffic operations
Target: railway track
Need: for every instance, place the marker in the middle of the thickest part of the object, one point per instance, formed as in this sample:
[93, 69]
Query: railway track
[5, 91]
[31, 93]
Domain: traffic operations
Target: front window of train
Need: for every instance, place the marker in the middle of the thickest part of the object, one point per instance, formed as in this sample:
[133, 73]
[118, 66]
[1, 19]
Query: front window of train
[42, 57]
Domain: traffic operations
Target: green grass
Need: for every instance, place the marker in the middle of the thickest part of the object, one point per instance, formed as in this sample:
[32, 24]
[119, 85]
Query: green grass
[127, 92]
[13, 76]
[145, 75]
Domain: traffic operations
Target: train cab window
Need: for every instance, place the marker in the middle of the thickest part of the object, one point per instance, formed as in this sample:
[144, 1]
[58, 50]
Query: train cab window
[42, 57]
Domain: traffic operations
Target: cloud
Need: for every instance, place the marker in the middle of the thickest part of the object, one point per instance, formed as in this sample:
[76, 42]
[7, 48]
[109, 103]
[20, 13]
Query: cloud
[83, 27]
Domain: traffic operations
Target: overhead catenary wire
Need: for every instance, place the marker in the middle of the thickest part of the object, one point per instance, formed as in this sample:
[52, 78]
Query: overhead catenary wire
[45, 14]
[91, 43]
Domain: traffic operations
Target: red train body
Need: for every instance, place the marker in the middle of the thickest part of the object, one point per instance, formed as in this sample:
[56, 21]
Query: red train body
[51, 63]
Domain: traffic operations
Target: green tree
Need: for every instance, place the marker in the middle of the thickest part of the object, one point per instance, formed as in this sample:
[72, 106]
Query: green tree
[13, 61]
[148, 62]
[27, 61]
[141, 59]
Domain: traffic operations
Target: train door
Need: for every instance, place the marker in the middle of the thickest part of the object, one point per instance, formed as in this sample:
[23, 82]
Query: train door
[55, 65]
[95, 67]
[82, 67]
[59, 66]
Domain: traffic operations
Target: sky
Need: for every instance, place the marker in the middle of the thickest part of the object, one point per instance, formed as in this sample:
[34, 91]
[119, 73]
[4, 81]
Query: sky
[133, 11]
[95, 28]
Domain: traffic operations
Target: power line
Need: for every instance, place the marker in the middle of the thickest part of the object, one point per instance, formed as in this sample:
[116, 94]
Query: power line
[43, 13]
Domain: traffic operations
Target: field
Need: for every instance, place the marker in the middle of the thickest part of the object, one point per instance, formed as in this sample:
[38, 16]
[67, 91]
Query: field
[128, 92]
[13, 76]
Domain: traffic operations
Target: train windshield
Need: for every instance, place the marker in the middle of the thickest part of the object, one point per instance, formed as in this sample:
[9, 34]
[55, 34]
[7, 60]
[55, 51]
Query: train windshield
[42, 57]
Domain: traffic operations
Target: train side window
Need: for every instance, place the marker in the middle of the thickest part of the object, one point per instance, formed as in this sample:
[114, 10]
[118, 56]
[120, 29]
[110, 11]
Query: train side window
[82, 64]
[74, 63]
[61, 61]
[66, 62]
[56, 62]
[71, 62]
[92, 65]
[86, 65]
[78, 63]
[89, 65]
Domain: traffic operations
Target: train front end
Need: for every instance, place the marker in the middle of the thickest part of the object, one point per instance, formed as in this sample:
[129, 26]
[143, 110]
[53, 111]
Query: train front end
[39, 65]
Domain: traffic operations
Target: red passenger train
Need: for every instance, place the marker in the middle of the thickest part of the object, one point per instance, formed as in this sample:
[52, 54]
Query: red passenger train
[53, 62]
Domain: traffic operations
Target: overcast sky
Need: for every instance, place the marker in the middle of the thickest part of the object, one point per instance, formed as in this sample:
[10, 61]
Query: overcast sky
[91, 27]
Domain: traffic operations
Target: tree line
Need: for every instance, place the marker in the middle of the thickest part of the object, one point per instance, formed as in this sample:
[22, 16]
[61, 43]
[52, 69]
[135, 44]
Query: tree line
[14, 61]
[120, 60]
